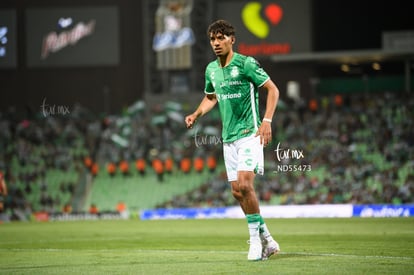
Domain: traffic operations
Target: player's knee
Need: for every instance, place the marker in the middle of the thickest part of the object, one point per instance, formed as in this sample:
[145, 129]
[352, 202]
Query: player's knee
[237, 194]
[245, 189]
[245, 185]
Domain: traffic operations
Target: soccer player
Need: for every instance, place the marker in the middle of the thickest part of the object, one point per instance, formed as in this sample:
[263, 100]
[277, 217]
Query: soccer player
[233, 81]
[3, 191]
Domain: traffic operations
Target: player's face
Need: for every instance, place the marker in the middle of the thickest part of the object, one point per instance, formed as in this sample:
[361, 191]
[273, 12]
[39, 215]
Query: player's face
[221, 44]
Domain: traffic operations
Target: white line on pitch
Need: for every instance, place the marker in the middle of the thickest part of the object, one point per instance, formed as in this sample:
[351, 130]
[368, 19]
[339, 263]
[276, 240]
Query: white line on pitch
[203, 252]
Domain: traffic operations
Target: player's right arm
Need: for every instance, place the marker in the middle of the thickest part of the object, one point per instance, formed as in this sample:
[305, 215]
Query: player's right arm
[208, 102]
[3, 187]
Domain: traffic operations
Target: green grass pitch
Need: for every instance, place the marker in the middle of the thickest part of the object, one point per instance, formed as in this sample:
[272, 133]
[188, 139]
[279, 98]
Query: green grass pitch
[211, 246]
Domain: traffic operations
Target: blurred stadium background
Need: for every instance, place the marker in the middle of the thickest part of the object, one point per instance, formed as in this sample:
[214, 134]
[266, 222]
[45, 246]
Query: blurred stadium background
[94, 94]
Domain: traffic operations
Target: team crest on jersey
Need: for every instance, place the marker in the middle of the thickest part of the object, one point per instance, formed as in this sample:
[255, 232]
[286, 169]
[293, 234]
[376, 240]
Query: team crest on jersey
[234, 72]
[212, 75]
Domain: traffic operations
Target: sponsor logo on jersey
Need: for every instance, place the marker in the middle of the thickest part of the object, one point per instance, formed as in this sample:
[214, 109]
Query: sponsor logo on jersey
[234, 72]
[230, 83]
[228, 96]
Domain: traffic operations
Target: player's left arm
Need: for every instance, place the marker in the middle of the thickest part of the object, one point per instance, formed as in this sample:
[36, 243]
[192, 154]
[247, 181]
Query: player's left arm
[265, 129]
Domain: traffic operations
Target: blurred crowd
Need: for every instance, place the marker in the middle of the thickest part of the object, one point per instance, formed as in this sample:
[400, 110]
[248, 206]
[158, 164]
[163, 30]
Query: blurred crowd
[357, 149]
[43, 156]
[354, 149]
[36, 154]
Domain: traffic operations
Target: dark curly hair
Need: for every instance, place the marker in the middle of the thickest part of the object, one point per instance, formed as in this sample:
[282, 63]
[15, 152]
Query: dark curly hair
[221, 26]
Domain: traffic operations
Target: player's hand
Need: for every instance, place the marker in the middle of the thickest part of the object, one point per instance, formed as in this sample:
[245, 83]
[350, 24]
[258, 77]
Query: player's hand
[265, 133]
[190, 120]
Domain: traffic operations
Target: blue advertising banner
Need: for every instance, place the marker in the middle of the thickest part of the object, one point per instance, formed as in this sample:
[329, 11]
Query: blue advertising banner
[184, 213]
[8, 39]
[382, 210]
[284, 211]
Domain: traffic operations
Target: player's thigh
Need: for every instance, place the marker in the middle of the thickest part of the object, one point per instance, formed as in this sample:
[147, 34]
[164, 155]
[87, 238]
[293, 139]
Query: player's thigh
[230, 161]
[250, 155]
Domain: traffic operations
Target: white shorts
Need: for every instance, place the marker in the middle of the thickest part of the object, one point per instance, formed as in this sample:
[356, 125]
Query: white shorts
[245, 154]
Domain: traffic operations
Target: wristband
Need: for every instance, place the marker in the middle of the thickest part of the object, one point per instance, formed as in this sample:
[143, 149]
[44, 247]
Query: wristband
[267, 120]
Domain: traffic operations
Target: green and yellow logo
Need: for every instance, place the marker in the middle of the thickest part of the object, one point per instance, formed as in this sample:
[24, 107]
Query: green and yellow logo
[252, 18]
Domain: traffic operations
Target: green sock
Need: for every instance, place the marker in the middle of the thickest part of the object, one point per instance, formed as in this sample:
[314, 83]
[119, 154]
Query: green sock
[253, 222]
[253, 218]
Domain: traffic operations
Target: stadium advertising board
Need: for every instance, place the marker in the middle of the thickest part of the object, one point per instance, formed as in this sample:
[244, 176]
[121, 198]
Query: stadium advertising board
[84, 36]
[279, 211]
[234, 212]
[284, 211]
[265, 28]
[44, 216]
[8, 44]
[383, 211]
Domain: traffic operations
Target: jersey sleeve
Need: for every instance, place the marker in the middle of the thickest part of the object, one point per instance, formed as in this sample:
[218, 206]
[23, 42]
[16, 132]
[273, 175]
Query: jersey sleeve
[254, 71]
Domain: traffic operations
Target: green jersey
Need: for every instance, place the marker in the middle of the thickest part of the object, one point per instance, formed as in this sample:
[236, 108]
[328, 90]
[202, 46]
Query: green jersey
[236, 88]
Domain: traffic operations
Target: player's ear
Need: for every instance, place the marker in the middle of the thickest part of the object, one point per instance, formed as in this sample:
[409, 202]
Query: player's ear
[233, 39]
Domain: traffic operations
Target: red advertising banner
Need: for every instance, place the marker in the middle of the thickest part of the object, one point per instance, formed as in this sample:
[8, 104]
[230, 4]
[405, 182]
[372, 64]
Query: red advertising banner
[265, 28]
